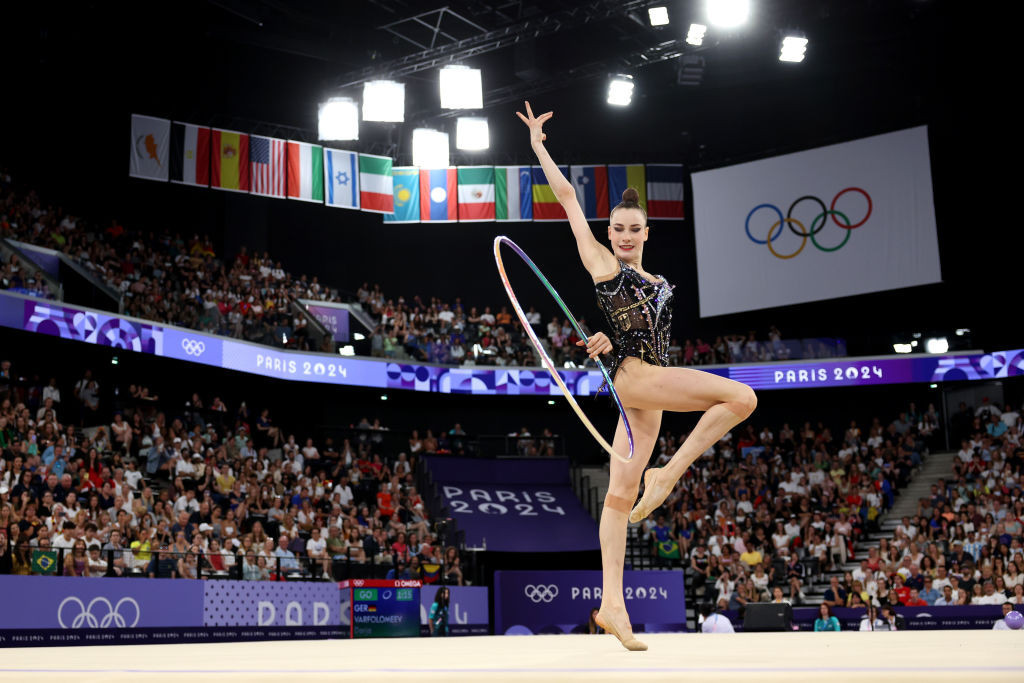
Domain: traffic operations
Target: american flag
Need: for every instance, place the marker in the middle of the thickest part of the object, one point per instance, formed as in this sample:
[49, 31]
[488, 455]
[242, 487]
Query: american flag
[267, 161]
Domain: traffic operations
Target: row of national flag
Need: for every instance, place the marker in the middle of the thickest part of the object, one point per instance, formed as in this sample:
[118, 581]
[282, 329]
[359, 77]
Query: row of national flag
[271, 167]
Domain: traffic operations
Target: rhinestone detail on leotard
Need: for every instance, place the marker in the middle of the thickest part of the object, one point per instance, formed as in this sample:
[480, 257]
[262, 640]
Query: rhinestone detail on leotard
[639, 316]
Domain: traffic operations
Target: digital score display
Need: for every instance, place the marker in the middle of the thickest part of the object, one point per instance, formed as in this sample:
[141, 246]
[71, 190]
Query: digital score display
[382, 608]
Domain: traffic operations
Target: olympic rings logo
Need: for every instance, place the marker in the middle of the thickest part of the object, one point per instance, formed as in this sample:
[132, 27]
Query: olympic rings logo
[816, 226]
[193, 347]
[541, 592]
[86, 619]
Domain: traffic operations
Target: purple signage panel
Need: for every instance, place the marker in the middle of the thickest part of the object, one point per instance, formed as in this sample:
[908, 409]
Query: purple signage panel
[333, 318]
[94, 327]
[560, 601]
[271, 603]
[468, 611]
[514, 505]
[60, 602]
[46, 259]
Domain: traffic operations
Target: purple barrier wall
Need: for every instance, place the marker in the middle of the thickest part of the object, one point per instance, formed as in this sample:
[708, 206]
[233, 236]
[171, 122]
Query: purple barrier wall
[918, 618]
[58, 610]
[94, 327]
[560, 601]
[514, 504]
[468, 611]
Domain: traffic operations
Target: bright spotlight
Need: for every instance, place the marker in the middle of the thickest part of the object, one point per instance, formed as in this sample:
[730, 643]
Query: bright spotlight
[961, 331]
[620, 90]
[461, 88]
[902, 348]
[429, 148]
[936, 345]
[471, 133]
[658, 16]
[338, 119]
[728, 13]
[384, 101]
[793, 48]
[695, 36]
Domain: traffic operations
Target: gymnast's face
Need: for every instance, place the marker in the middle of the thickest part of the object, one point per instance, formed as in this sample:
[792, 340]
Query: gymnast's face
[627, 234]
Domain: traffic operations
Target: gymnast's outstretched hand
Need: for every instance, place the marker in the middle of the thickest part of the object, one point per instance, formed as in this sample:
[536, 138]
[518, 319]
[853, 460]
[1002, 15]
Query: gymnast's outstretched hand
[598, 344]
[535, 123]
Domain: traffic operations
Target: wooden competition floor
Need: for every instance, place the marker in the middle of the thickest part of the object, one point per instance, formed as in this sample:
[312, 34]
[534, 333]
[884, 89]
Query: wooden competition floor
[913, 655]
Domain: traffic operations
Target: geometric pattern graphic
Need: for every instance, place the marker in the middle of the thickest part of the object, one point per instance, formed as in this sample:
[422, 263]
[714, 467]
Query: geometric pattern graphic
[277, 603]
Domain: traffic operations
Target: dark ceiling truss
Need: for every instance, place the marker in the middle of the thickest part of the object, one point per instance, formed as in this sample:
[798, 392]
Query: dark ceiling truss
[497, 39]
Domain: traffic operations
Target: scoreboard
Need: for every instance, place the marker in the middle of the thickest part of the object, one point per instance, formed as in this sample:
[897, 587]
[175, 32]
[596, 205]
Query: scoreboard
[381, 608]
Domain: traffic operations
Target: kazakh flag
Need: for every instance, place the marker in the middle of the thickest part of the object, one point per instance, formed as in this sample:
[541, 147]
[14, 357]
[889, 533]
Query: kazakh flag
[406, 188]
[44, 561]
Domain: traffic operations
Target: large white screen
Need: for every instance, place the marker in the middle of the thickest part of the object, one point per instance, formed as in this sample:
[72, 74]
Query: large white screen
[895, 247]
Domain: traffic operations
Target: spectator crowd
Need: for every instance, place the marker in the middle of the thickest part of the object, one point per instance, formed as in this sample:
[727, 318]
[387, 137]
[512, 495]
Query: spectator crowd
[765, 512]
[180, 280]
[200, 490]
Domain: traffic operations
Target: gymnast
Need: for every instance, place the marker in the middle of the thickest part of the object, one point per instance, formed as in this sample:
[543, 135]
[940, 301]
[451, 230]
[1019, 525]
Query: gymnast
[637, 308]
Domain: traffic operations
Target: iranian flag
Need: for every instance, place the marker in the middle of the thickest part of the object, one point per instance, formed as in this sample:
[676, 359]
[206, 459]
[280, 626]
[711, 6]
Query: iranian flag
[305, 172]
[476, 193]
[376, 186]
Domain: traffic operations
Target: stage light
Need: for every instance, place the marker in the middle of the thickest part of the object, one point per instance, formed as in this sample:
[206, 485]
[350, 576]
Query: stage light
[793, 48]
[902, 348]
[429, 148]
[358, 336]
[695, 36]
[471, 133]
[338, 119]
[461, 88]
[962, 331]
[728, 13]
[620, 90]
[658, 16]
[936, 345]
[383, 397]
[384, 101]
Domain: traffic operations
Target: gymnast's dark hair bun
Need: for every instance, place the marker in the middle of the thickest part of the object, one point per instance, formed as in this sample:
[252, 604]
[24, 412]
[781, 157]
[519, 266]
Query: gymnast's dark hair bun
[630, 196]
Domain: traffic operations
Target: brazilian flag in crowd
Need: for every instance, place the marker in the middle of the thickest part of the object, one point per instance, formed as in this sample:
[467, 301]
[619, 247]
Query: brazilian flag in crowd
[668, 550]
[44, 561]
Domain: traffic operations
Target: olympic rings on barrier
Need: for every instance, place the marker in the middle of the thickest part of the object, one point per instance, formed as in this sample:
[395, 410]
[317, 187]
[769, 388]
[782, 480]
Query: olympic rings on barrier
[816, 225]
[803, 238]
[546, 359]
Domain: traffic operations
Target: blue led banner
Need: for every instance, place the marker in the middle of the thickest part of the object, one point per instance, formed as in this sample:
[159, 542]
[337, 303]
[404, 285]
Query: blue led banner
[22, 312]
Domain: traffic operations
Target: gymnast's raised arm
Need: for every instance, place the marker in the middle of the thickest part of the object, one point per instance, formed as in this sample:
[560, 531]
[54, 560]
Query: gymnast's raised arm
[597, 259]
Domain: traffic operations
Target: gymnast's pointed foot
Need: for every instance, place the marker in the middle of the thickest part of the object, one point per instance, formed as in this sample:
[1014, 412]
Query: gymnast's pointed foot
[615, 621]
[657, 487]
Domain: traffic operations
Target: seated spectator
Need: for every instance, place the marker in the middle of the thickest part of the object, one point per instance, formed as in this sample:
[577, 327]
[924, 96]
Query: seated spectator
[825, 620]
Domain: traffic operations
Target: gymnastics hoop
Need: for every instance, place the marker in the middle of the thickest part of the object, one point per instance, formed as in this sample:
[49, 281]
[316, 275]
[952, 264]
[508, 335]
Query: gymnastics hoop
[546, 359]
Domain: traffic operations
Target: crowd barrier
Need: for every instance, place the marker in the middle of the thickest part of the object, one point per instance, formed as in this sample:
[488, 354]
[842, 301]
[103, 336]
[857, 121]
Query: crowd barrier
[917, 618]
[90, 326]
[528, 602]
[59, 610]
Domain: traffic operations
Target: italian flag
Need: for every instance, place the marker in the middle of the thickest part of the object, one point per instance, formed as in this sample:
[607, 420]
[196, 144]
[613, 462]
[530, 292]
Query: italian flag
[376, 187]
[476, 193]
[305, 171]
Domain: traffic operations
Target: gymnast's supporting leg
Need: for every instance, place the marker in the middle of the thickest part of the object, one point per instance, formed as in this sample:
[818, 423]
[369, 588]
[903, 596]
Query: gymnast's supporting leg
[623, 485]
[728, 403]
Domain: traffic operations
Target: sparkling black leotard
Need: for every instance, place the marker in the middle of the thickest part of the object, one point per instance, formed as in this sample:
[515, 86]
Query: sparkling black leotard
[639, 315]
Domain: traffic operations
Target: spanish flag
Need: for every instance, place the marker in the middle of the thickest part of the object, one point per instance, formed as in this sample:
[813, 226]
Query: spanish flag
[545, 205]
[230, 160]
